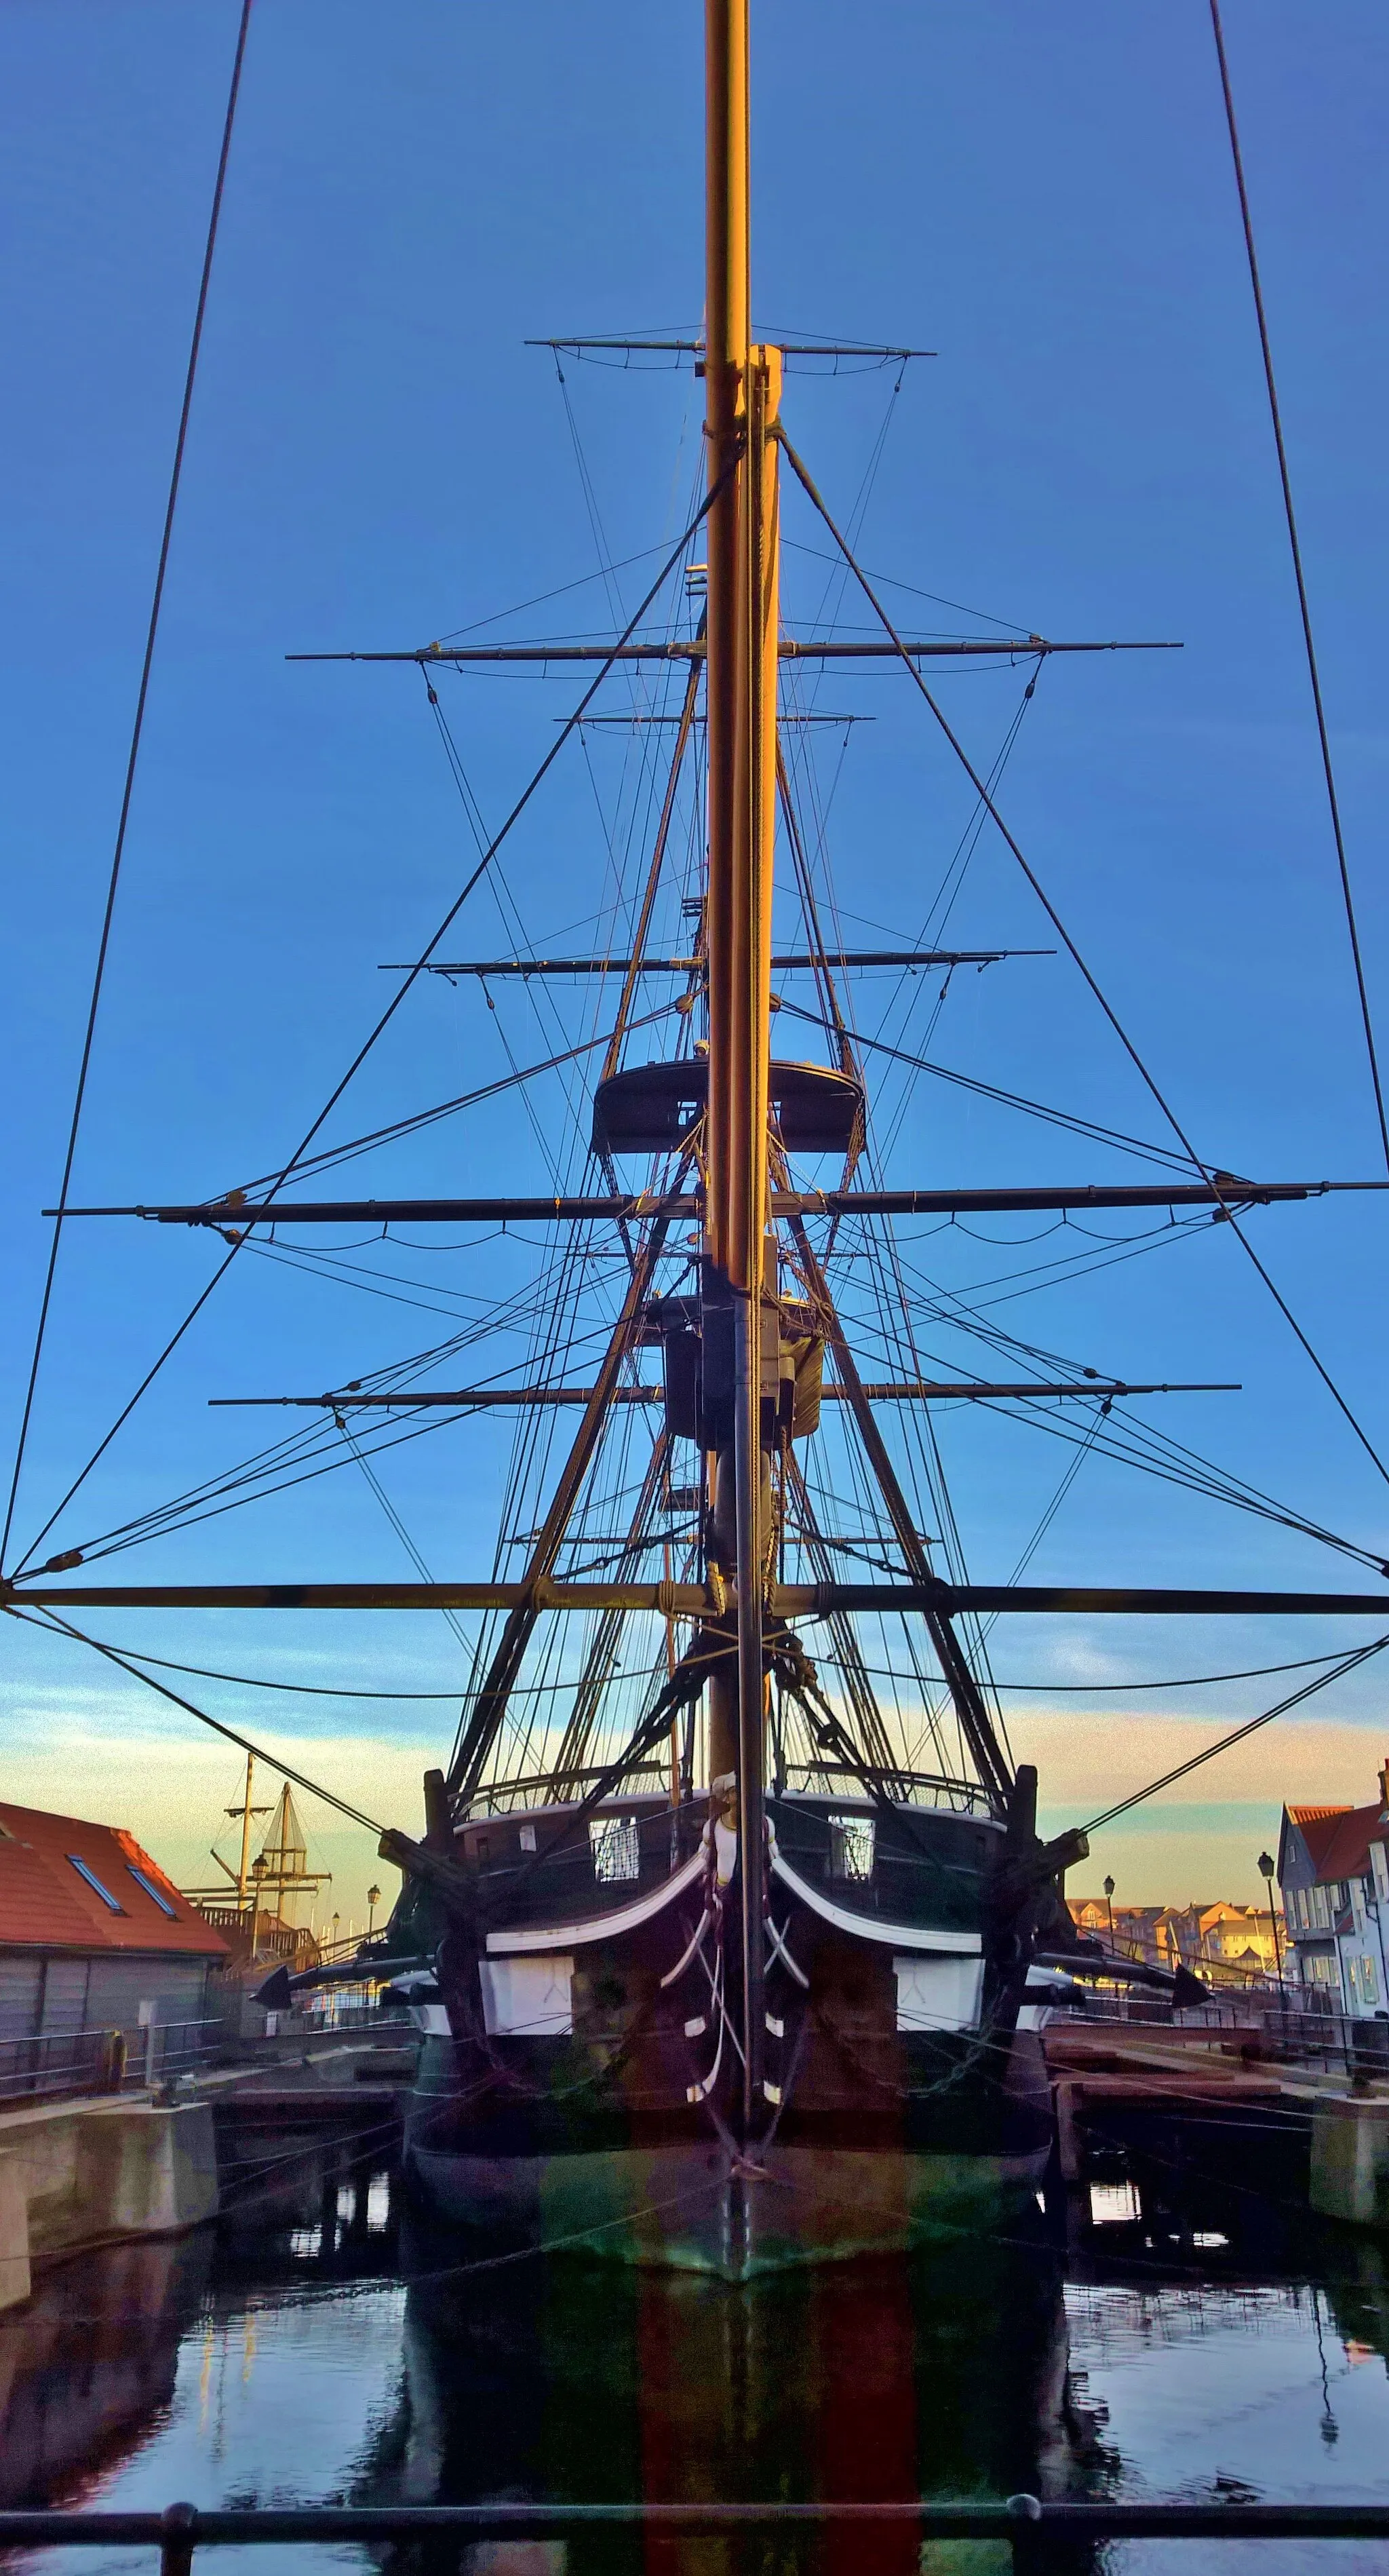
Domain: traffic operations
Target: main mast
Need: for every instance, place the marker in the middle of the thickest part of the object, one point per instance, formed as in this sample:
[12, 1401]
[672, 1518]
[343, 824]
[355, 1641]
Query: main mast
[743, 386]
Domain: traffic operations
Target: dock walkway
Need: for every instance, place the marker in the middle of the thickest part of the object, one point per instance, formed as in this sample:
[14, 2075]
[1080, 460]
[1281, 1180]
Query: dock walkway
[1113, 2083]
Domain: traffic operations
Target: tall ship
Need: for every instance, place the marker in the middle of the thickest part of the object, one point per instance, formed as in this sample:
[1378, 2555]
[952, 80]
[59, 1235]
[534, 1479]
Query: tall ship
[729, 1924]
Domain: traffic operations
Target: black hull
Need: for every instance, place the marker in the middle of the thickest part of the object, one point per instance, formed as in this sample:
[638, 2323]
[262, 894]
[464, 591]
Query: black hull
[670, 2192]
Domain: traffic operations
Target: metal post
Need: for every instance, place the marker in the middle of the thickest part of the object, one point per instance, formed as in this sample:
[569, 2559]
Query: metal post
[1024, 2515]
[1266, 1868]
[1376, 1905]
[178, 2530]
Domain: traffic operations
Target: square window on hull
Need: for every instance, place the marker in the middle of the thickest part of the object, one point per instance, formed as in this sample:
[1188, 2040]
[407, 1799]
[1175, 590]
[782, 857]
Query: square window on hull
[616, 1849]
[852, 1841]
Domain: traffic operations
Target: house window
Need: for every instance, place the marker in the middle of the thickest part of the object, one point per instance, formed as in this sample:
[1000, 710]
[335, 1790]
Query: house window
[1321, 1916]
[1353, 1976]
[155, 1894]
[1369, 1982]
[851, 1848]
[108, 1900]
[616, 1849]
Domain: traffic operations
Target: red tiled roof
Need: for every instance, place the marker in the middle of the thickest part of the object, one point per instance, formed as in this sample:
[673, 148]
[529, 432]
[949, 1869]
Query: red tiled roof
[46, 1904]
[1338, 1839]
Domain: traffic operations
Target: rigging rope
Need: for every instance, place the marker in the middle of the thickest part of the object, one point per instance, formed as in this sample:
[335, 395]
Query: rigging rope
[990, 1091]
[335, 1154]
[1347, 1664]
[803, 477]
[1294, 543]
[1125, 1437]
[49, 1621]
[132, 759]
[359, 1059]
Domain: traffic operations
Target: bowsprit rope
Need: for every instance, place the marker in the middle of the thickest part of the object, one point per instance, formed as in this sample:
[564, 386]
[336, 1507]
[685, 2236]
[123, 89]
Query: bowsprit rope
[1348, 1664]
[132, 759]
[1285, 479]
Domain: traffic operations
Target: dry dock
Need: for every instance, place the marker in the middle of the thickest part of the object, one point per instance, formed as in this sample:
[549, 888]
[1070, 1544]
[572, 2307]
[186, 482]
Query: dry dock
[104, 2168]
[1235, 2103]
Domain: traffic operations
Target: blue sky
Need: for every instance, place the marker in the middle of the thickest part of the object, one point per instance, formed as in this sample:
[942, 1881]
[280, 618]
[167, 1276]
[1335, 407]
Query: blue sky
[376, 458]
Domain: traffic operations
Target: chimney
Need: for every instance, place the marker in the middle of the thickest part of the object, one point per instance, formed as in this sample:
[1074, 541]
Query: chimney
[1384, 1787]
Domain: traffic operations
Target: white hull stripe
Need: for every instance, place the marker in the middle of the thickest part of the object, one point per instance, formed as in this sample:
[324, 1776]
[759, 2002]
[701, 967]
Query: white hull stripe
[602, 1927]
[870, 1927]
[628, 1918]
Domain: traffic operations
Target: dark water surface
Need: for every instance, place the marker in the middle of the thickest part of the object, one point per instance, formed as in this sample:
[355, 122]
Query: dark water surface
[350, 2361]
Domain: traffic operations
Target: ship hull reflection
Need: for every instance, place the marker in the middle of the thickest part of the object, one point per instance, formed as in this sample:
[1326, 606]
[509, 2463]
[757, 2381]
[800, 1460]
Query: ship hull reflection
[943, 2376]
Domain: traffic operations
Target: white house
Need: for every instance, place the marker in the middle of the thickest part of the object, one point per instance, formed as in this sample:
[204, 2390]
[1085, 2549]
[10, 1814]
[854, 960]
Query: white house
[1333, 1869]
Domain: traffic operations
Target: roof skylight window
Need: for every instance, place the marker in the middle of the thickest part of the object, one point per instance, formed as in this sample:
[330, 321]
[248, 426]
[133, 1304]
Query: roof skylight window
[108, 1900]
[155, 1893]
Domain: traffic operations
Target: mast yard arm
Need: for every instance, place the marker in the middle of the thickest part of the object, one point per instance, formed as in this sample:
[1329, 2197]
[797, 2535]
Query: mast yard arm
[1223, 1192]
[692, 1600]
[823, 648]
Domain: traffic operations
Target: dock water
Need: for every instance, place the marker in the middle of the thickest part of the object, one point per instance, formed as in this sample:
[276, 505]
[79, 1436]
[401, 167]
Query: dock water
[1177, 2320]
[1211, 2344]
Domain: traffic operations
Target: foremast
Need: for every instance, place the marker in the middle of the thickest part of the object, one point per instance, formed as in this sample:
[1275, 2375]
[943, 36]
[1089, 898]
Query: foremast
[743, 391]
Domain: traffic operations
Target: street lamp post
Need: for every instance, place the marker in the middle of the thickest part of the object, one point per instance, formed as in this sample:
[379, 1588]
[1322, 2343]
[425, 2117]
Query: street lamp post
[1109, 1903]
[1266, 1871]
[259, 1867]
[373, 1900]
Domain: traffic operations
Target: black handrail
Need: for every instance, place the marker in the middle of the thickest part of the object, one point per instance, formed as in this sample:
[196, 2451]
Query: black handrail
[1022, 2519]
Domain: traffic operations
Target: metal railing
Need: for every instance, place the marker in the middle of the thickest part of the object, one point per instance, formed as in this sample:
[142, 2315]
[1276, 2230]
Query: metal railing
[51, 2065]
[1341, 2043]
[168, 2049]
[1024, 2522]
[47, 2064]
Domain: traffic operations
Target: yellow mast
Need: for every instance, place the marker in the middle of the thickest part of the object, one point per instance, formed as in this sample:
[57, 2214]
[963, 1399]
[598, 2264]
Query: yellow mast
[743, 389]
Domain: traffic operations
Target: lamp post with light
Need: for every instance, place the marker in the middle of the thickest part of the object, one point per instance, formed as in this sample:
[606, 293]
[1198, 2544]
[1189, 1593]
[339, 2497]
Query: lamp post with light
[259, 1867]
[373, 1900]
[1266, 1872]
[1109, 1905]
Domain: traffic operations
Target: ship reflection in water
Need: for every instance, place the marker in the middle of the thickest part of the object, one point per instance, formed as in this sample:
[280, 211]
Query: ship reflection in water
[344, 2360]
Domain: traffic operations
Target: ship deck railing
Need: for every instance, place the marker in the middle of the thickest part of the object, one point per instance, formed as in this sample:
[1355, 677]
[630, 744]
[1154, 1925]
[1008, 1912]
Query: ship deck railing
[1034, 2529]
